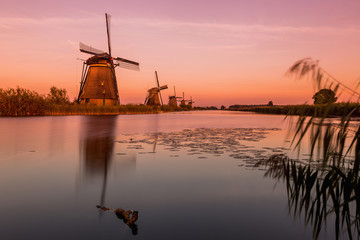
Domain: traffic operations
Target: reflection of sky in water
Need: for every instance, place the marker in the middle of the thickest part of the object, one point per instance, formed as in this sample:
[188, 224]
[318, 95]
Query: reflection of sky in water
[180, 171]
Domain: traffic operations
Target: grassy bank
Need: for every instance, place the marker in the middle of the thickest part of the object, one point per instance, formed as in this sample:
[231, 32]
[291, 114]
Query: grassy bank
[334, 109]
[82, 109]
[22, 102]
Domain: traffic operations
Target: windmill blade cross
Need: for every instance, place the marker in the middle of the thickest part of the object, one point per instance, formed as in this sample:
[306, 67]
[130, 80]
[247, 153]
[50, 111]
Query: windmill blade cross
[108, 18]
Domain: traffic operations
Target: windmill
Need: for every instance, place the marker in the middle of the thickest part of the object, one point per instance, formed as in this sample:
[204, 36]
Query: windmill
[98, 80]
[191, 102]
[173, 99]
[153, 96]
[183, 101]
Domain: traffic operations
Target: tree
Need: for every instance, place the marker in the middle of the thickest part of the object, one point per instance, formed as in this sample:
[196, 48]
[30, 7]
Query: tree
[21, 102]
[223, 107]
[58, 96]
[270, 103]
[324, 96]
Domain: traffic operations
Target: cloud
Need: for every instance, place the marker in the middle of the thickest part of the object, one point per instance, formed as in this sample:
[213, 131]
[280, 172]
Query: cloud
[186, 34]
[233, 27]
[10, 23]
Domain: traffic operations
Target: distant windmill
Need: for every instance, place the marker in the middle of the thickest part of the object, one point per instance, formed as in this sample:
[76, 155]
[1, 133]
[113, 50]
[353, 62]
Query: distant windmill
[191, 102]
[98, 80]
[153, 97]
[173, 99]
[183, 101]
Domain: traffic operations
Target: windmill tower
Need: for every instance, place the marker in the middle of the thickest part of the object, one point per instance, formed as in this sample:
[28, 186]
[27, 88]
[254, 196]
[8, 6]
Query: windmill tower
[173, 99]
[153, 96]
[98, 80]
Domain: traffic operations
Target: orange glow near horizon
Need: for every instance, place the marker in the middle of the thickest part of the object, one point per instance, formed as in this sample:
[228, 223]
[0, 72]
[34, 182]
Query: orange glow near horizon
[220, 54]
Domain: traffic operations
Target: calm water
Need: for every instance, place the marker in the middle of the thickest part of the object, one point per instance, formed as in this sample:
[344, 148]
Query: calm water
[189, 175]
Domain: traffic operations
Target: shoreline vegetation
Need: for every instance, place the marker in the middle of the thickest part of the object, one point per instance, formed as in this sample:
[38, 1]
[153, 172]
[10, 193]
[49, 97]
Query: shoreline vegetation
[330, 110]
[20, 102]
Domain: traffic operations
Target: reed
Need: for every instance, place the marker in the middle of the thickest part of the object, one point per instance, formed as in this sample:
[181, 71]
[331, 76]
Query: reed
[336, 137]
[320, 194]
[328, 184]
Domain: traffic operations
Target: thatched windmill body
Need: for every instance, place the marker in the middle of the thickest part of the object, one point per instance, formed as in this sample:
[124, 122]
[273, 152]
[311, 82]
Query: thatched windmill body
[98, 80]
[173, 99]
[153, 97]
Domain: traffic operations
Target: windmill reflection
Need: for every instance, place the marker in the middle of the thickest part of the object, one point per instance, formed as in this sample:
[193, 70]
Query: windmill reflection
[319, 194]
[97, 154]
[97, 148]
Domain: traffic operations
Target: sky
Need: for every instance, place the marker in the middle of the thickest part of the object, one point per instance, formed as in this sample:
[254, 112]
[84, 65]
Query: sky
[219, 52]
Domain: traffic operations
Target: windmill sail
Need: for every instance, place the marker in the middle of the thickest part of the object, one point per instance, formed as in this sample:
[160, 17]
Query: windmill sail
[108, 18]
[158, 84]
[128, 64]
[163, 87]
[90, 50]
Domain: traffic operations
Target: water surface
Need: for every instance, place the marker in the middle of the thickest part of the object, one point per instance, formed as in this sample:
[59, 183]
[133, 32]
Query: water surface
[189, 175]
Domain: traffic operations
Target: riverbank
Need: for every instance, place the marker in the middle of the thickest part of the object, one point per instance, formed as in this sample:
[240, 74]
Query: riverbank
[20, 102]
[334, 109]
[88, 109]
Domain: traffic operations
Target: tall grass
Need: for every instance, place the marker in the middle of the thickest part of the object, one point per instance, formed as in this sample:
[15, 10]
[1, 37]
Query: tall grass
[329, 183]
[318, 194]
[336, 137]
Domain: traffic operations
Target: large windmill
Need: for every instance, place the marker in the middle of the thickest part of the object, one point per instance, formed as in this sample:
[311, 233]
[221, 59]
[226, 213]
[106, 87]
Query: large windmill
[98, 80]
[153, 96]
[173, 99]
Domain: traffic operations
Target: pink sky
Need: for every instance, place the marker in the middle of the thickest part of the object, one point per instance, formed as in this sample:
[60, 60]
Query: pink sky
[218, 52]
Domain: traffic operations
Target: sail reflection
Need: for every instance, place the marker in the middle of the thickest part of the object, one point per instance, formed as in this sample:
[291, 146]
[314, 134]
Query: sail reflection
[319, 194]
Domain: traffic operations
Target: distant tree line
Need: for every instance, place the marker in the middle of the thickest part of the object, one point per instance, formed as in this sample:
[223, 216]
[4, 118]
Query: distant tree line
[332, 109]
[242, 106]
[206, 108]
